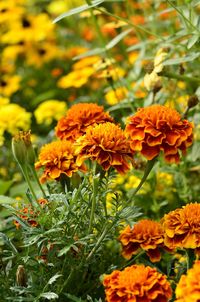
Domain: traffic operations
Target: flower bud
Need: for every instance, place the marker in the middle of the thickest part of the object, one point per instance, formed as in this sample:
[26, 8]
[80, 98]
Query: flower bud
[21, 277]
[193, 101]
[22, 148]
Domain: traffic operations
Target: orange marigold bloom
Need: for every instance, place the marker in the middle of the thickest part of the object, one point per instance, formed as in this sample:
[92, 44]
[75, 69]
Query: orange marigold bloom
[182, 227]
[188, 288]
[137, 283]
[58, 158]
[78, 118]
[146, 235]
[106, 143]
[159, 128]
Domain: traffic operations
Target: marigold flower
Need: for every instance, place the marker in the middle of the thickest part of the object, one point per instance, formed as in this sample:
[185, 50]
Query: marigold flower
[188, 288]
[182, 227]
[107, 144]
[78, 118]
[49, 110]
[137, 283]
[159, 128]
[146, 235]
[57, 158]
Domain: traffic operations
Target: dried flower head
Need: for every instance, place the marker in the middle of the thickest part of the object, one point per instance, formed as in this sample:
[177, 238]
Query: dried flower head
[159, 128]
[188, 288]
[106, 143]
[182, 227]
[146, 235]
[137, 283]
[57, 158]
[78, 118]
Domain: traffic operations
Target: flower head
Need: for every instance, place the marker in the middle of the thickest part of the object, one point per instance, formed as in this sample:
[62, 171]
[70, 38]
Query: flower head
[48, 111]
[146, 235]
[158, 128]
[57, 158]
[188, 288]
[137, 283]
[182, 227]
[78, 118]
[106, 143]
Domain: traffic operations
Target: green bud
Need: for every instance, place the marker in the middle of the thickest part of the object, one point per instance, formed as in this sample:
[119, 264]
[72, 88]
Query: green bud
[22, 148]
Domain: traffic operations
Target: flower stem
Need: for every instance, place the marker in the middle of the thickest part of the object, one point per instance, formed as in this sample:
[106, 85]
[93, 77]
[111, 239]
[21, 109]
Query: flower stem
[94, 197]
[37, 180]
[190, 258]
[27, 179]
[179, 77]
[148, 169]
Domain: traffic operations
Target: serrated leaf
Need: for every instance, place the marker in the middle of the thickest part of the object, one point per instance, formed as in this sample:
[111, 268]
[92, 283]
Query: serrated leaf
[49, 296]
[54, 278]
[77, 10]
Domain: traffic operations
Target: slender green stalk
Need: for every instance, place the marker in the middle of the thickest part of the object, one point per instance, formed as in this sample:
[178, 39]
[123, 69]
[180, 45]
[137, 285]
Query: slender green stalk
[27, 179]
[94, 197]
[37, 180]
[190, 258]
[171, 75]
[149, 166]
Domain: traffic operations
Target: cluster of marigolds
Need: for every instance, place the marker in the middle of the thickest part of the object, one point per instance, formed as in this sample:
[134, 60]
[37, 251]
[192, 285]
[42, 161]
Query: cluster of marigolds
[88, 132]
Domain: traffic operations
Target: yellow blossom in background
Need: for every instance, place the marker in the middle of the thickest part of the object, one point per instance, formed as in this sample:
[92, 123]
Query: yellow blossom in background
[133, 181]
[57, 7]
[50, 110]
[112, 72]
[86, 62]
[139, 90]
[9, 84]
[76, 78]
[4, 101]
[10, 10]
[132, 57]
[29, 28]
[180, 103]
[13, 118]
[115, 96]
[110, 197]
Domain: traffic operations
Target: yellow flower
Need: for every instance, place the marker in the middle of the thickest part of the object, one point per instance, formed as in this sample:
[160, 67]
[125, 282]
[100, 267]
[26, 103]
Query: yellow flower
[86, 62]
[76, 78]
[115, 96]
[13, 118]
[4, 101]
[9, 85]
[57, 7]
[49, 110]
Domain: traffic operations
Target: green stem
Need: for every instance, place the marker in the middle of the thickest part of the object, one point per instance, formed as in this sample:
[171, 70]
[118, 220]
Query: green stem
[94, 197]
[179, 77]
[190, 258]
[27, 179]
[37, 180]
[148, 169]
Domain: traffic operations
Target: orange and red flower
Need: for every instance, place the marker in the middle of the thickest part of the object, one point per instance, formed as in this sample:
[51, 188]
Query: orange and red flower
[106, 143]
[146, 235]
[78, 118]
[58, 158]
[137, 283]
[188, 288]
[182, 227]
[159, 128]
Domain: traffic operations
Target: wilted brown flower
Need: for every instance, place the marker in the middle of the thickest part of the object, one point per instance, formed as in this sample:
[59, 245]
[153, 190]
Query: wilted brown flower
[137, 283]
[107, 144]
[145, 235]
[159, 128]
[78, 118]
[58, 158]
[188, 288]
[182, 227]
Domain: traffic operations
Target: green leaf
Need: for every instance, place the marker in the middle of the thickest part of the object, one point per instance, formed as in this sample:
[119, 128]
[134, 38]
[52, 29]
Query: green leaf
[118, 38]
[7, 200]
[77, 10]
[54, 278]
[49, 296]
[176, 61]
[192, 41]
[64, 250]
[8, 243]
[73, 298]
[4, 186]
